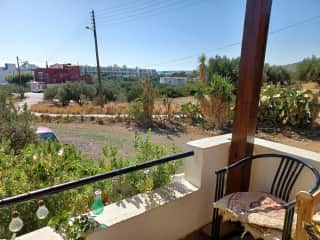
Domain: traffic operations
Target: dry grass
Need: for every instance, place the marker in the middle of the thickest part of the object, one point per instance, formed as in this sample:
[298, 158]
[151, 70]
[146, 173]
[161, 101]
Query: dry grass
[112, 108]
[109, 108]
[163, 109]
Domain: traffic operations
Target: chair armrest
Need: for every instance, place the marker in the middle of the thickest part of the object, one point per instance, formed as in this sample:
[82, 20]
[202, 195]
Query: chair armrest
[220, 170]
[289, 204]
[234, 165]
[222, 175]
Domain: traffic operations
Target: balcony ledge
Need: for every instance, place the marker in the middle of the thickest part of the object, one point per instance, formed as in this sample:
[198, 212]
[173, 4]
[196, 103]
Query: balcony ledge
[128, 208]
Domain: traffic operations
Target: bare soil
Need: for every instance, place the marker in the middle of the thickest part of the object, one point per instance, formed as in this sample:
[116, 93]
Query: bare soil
[89, 137]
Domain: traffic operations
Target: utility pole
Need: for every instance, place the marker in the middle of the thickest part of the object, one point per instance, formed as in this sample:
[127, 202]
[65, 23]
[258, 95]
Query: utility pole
[19, 71]
[21, 89]
[97, 56]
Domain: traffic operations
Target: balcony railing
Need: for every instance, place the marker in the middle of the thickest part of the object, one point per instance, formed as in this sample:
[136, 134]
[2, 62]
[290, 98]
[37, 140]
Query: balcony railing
[88, 180]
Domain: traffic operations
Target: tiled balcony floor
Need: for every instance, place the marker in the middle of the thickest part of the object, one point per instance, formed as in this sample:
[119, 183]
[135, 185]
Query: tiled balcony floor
[204, 234]
[200, 236]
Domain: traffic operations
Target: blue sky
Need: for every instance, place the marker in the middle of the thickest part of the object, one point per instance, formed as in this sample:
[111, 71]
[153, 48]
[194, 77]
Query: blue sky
[161, 34]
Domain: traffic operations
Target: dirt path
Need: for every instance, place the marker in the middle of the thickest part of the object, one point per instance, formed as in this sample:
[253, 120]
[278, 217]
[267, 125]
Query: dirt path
[90, 137]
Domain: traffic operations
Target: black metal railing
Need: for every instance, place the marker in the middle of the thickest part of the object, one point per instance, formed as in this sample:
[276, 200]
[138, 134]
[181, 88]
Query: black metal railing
[88, 180]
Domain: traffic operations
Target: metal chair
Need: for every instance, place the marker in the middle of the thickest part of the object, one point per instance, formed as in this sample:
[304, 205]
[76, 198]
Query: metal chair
[288, 171]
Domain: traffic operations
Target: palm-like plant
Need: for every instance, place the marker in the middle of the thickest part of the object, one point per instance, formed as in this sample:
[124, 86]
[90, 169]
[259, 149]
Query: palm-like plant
[202, 69]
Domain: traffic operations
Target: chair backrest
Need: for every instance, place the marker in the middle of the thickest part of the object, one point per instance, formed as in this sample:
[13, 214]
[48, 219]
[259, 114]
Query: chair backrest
[287, 173]
[286, 176]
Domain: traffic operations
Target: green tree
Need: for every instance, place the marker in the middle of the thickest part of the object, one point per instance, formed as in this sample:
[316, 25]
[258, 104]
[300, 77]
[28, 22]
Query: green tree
[25, 78]
[276, 75]
[50, 93]
[203, 69]
[308, 70]
[225, 67]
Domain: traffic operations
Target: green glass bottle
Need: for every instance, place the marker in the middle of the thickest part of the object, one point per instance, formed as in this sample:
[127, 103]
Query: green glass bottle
[97, 206]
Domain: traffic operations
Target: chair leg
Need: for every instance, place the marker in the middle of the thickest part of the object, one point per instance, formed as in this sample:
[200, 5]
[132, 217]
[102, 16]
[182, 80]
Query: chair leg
[216, 222]
[287, 226]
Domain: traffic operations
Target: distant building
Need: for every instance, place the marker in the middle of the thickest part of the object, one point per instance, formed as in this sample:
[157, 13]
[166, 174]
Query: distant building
[60, 73]
[11, 69]
[8, 69]
[176, 72]
[174, 80]
[117, 71]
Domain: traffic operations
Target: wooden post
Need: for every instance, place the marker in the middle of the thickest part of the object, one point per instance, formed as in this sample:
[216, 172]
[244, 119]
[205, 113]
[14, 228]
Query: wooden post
[305, 204]
[254, 42]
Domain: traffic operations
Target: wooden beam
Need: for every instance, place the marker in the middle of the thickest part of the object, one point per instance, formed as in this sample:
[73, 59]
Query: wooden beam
[254, 43]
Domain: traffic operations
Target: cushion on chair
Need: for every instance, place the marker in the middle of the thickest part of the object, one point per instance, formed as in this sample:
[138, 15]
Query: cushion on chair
[257, 211]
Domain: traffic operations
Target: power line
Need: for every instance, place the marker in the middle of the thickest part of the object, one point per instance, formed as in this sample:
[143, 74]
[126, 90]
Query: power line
[119, 7]
[145, 12]
[138, 9]
[153, 12]
[111, 12]
[271, 33]
[307, 20]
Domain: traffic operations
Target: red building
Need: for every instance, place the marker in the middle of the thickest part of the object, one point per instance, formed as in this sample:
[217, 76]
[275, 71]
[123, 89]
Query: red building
[60, 73]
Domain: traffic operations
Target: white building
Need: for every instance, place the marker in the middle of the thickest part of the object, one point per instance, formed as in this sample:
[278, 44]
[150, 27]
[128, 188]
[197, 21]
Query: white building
[8, 69]
[118, 71]
[174, 80]
[11, 69]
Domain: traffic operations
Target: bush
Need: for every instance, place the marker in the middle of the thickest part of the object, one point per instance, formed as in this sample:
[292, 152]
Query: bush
[79, 92]
[134, 92]
[141, 110]
[25, 77]
[43, 165]
[136, 111]
[50, 93]
[192, 111]
[224, 66]
[173, 91]
[287, 106]
[14, 124]
[215, 98]
[220, 86]
[276, 75]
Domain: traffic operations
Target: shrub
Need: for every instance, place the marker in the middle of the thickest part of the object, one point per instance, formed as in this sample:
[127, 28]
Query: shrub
[142, 109]
[192, 111]
[224, 66]
[79, 92]
[25, 77]
[50, 93]
[134, 92]
[287, 106]
[136, 111]
[173, 91]
[14, 123]
[43, 165]
[220, 86]
[215, 98]
[276, 75]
